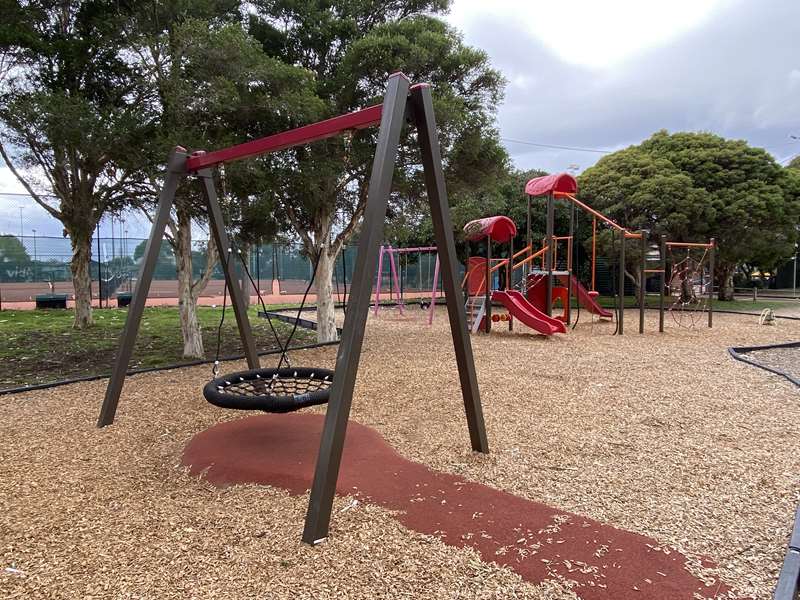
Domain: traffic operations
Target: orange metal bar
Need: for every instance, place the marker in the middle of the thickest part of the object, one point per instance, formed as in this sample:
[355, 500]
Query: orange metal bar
[688, 245]
[499, 265]
[653, 270]
[521, 252]
[500, 261]
[529, 259]
[595, 213]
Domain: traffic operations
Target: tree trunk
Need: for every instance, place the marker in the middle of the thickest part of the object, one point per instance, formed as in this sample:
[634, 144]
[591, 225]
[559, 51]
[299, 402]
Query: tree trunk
[81, 278]
[326, 323]
[725, 277]
[187, 299]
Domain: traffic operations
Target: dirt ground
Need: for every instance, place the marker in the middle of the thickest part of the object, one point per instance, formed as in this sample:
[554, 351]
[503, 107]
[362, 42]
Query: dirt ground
[661, 434]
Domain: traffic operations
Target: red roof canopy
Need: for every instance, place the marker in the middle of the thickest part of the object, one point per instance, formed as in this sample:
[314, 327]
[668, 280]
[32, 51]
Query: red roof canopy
[559, 182]
[499, 229]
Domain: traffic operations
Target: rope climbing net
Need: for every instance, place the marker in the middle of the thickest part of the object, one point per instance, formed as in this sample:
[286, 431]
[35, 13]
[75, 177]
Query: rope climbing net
[689, 286]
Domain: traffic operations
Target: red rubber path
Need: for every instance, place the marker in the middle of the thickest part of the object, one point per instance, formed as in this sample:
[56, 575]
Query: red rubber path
[535, 540]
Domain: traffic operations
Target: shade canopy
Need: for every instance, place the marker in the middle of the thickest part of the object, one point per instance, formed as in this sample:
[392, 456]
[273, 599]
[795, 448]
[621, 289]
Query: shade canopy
[498, 229]
[558, 182]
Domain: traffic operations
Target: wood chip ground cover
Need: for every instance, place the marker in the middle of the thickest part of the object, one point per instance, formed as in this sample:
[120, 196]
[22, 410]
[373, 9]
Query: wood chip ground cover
[664, 435]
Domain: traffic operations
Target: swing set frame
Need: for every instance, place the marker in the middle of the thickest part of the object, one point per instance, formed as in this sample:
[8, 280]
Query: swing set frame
[401, 102]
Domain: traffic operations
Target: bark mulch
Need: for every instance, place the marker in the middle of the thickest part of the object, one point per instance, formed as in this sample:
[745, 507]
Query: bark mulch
[661, 435]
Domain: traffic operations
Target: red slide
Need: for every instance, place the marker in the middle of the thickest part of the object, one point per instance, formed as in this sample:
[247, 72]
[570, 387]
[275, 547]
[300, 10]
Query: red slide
[528, 314]
[587, 301]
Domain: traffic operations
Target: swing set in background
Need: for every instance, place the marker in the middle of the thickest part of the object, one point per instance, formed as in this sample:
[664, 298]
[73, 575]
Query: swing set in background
[398, 277]
[534, 280]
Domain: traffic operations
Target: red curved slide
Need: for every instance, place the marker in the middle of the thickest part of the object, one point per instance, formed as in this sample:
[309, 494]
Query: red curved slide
[528, 314]
[587, 301]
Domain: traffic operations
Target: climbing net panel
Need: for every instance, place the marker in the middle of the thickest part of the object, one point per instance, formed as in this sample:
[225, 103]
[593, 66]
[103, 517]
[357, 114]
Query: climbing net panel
[689, 286]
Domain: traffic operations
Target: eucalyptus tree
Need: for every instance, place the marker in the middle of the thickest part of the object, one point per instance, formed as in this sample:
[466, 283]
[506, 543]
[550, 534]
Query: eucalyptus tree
[72, 117]
[211, 85]
[351, 47]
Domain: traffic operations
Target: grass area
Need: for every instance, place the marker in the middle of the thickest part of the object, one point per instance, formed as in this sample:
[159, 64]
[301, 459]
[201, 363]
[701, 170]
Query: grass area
[41, 346]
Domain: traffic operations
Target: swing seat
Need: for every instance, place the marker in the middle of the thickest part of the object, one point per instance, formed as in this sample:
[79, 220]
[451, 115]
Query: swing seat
[270, 390]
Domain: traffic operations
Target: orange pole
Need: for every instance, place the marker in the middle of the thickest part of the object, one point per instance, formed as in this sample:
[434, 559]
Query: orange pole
[569, 254]
[602, 217]
[554, 262]
[594, 248]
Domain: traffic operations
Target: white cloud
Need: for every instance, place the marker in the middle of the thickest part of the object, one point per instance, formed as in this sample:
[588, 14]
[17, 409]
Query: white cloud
[730, 68]
[9, 183]
[589, 32]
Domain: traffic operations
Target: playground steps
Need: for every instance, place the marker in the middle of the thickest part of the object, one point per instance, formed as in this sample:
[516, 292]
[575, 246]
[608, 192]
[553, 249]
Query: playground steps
[476, 309]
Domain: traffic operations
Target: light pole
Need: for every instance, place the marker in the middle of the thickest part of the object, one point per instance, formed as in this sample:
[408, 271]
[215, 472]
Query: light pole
[21, 230]
[34, 254]
[794, 273]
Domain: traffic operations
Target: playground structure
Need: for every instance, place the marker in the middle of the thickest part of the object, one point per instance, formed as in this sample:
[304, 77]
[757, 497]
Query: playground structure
[254, 389]
[480, 287]
[547, 278]
[397, 278]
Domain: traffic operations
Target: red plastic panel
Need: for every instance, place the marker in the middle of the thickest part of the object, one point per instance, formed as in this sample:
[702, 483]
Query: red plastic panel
[559, 182]
[500, 229]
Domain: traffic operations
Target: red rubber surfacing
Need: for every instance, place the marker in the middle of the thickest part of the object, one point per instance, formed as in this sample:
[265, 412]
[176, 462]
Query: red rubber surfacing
[537, 541]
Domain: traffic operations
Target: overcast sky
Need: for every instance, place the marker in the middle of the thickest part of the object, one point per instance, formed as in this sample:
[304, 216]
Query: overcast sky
[604, 75]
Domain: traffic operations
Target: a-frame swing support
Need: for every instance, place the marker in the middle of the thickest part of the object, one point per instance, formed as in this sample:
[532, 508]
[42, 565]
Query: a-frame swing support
[400, 102]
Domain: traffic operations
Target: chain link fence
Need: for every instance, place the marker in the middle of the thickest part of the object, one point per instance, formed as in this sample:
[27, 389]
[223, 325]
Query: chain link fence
[33, 265]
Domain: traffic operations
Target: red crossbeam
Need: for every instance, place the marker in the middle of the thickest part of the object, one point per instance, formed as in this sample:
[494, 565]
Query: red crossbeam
[359, 119]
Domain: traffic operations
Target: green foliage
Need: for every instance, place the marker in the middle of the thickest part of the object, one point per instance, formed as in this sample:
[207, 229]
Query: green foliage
[213, 87]
[694, 186]
[351, 48]
[14, 259]
[70, 107]
[165, 263]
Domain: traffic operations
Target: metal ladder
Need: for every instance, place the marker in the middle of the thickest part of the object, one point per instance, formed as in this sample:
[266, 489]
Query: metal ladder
[475, 309]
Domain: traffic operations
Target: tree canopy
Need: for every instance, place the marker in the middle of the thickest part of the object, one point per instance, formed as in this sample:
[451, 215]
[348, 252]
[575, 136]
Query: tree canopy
[72, 116]
[351, 48]
[695, 186]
